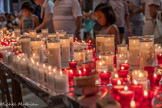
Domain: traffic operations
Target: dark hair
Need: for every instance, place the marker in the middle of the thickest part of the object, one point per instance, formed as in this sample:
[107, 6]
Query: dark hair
[108, 11]
[28, 5]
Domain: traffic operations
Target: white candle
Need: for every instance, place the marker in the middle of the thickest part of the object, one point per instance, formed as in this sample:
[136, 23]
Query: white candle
[50, 79]
[61, 83]
[109, 43]
[44, 32]
[99, 43]
[79, 56]
[89, 55]
[33, 33]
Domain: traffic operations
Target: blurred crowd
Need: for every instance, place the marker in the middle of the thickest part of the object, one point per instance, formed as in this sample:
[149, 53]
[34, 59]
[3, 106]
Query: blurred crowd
[132, 17]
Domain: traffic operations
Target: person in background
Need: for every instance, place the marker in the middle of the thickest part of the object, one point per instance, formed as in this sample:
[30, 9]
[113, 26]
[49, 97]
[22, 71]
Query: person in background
[106, 18]
[122, 16]
[88, 25]
[155, 6]
[136, 9]
[11, 24]
[68, 17]
[46, 14]
[2, 22]
[28, 21]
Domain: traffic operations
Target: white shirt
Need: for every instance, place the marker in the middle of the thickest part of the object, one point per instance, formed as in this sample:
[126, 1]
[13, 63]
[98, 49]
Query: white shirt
[156, 2]
[120, 9]
[65, 14]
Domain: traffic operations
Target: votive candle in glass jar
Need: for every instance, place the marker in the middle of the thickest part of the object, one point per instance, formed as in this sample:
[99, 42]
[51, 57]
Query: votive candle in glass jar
[52, 36]
[99, 43]
[123, 49]
[158, 50]
[79, 56]
[71, 37]
[88, 55]
[141, 77]
[33, 33]
[61, 83]
[121, 58]
[44, 32]
[25, 45]
[108, 59]
[65, 51]
[60, 33]
[146, 53]
[134, 50]
[17, 32]
[109, 43]
[36, 48]
[54, 57]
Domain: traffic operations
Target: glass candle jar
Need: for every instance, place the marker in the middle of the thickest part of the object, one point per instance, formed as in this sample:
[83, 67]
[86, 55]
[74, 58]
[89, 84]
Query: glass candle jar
[65, 51]
[134, 49]
[60, 33]
[61, 82]
[52, 36]
[17, 47]
[108, 59]
[146, 53]
[122, 49]
[71, 37]
[99, 43]
[44, 32]
[54, 57]
[25, 45]
[88, 55]
[79, 56]
[36, 48]
[158, 50]
[109, 43]
[17, 32]
[33, 33]
[141, 77]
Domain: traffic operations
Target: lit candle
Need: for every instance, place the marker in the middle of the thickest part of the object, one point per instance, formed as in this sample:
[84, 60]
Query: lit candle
[50, 80]
[133, 104]
[124, 66]
[126, 96]
[42, 73]
[105, 77]
[116, 79]
[61, 83]
[73, 64]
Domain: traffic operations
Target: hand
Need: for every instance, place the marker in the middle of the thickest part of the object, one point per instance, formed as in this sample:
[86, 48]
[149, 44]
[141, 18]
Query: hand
[78, 35]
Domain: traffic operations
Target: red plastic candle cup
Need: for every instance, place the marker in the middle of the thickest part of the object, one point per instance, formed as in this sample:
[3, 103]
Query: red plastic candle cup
[125, 97]
[115, 81]
[73, 64]
[138, 90]
[105, 77]
[123, 73]
[156, 78]
[159, 58]
[115, 91]
[124, 66]
[86, 71]
[70, 73]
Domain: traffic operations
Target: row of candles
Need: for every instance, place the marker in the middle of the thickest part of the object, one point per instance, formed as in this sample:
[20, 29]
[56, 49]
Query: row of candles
[104, 66]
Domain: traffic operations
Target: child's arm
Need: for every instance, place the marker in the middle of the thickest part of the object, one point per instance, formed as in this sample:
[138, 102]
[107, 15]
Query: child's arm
[20, 25]
[36, 21]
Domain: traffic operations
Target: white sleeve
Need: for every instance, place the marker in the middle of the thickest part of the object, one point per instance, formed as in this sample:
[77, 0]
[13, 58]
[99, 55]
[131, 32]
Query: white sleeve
[76, 8]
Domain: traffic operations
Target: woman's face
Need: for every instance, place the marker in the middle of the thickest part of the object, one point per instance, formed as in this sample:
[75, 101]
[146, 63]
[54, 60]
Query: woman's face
[26, 12]
[12, 18]
[100, 18]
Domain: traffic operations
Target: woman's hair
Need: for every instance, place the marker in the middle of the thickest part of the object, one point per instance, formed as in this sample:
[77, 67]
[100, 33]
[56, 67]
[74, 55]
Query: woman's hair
[28, 5]
[108, 11]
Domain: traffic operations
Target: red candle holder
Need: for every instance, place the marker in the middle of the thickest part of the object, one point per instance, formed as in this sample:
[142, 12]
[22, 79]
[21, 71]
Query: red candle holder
[115, 91]
[156, 78]
[115, 81]
[159, 58]
[105, 77]
[70, 74]
[125, 98]
[123, 73]
[73, 64]
[124, 66]
[138, 90]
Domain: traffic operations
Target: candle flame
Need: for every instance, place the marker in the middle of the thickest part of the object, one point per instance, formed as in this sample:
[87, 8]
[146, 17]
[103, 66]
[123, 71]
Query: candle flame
[71, 71]
[145, 93]
[105, 71]
[122, 68]
[60, 72]
[84, 69]
[119, 82]
[140, 74]
[80, 72]
[133, 104]
[44, 65]
[54, 70]
[73, 60]
[126, 61]
[49, 67]
[134, 41]
[125, 88]
[37, 63]
[99, 57]
[135, 82]
[116, 76]
[155, 75]
[100, 63]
